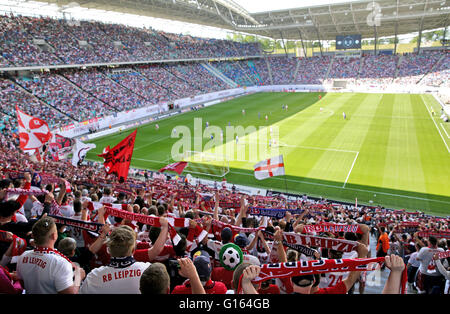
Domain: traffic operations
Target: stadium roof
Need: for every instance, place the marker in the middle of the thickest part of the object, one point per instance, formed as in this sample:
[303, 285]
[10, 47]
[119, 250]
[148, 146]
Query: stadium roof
[324, 22]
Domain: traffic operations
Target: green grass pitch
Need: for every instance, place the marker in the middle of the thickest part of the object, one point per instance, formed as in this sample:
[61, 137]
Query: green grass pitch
[390, 150]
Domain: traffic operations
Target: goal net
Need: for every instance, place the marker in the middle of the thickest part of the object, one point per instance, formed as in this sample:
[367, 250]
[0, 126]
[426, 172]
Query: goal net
[202, 163]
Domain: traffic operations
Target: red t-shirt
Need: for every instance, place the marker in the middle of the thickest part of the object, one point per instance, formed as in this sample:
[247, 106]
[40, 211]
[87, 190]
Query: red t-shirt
[222, 275]
[272, 289]
[211, 287]
[340, 288]
[167, 251]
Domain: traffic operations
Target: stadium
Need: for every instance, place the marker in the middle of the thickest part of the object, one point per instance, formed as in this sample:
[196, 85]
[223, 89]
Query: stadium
[307, 133]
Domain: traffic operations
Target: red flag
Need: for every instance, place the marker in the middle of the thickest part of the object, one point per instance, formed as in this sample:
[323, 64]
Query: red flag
[117, 159]
[33, 132]
[178, 167]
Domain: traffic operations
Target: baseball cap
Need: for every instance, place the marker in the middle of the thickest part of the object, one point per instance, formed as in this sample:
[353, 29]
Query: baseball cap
[8, 208]
[203, 266]
[303, 281]
[241, 240]
[226, 235]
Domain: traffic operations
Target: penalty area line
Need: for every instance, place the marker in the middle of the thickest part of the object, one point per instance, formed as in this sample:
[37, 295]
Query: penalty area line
[350, 171]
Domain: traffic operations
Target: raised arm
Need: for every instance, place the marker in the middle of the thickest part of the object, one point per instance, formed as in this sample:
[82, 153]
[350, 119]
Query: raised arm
[159, 243]
[396, 265]
[354, 275]
[188, 270]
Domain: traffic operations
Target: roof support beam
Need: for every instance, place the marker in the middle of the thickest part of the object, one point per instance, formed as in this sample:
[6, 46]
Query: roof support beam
[301, 40]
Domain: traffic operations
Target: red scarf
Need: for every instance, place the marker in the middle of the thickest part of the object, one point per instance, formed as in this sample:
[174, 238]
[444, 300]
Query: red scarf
[19, 244]
[235, 229]
[436, 234]
[46, 250]
[154, 221]
[299, 268]
[332, 228]
[323, 242]
[442, 255]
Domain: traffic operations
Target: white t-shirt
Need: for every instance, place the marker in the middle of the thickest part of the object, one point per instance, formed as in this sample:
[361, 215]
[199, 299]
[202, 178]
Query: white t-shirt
[427, 264]
[111, 280]
[413, 260]
[67, 211]
[44, 272]
[107, 199]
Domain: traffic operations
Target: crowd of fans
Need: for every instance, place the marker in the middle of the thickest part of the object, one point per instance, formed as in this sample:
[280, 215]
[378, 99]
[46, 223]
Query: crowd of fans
[43, 236]
[344, 68]
[11, 95]
[81, 42]
[377, 69]
[312, 70]
[414, 66]
[282, 69]
[66, 98]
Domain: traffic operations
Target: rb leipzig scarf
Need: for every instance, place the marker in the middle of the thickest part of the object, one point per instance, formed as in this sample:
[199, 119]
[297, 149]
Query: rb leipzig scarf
[323, 242]
[299, 268]
[332, 228]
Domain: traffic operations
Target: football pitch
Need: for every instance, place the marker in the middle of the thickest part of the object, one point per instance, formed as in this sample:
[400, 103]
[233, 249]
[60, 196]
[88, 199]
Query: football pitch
[390, 150]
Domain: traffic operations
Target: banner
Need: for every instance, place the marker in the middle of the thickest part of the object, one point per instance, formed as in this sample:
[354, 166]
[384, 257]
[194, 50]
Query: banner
[80, 150]
[60, 147]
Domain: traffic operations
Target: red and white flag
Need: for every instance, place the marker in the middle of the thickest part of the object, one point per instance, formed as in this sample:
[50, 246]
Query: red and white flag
[269, 168]
[33, 132]
[178, 167]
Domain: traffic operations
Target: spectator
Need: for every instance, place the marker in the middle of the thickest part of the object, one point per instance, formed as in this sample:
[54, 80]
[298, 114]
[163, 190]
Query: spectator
[123, 273]
[44, 270]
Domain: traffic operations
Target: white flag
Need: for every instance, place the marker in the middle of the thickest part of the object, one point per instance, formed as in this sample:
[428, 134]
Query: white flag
[269, 168]
[79, 151]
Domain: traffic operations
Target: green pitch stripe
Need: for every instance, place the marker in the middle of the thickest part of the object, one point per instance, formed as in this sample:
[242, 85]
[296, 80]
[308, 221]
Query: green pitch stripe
[433, 152]
[371, 160]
